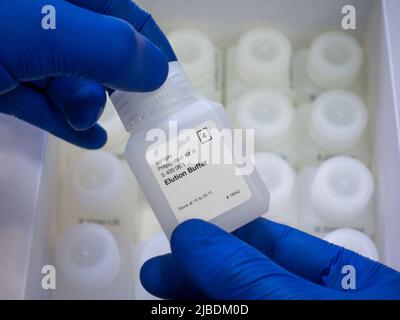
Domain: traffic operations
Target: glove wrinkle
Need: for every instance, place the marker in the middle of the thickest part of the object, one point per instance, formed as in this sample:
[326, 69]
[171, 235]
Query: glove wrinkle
[7, 81]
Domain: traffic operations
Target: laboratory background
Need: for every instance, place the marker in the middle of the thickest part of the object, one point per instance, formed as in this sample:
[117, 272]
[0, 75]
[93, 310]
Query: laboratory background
[320, 90]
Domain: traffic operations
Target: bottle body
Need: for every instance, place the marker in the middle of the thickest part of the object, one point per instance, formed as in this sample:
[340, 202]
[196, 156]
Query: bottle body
[93, 264]
[337, 194]
[272, 117]
[178, 191]
[97, 190]
[354, 240]
[201, 61]
[281, 181]
[260, 58]
[333, 61]
[336, 123]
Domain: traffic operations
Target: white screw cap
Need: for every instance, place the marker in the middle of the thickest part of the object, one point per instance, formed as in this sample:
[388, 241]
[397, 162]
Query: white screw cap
[195, 52]
[268, 112]
[135, 107]
[342, 189]
[263, 56]
[335, 60]
[338, 120]
[279, 178]
[88, 257]
[354, 240]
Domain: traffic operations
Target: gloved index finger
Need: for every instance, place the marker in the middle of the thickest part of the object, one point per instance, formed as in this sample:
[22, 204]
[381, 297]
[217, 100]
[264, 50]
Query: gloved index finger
[133, 14]
[303, 254]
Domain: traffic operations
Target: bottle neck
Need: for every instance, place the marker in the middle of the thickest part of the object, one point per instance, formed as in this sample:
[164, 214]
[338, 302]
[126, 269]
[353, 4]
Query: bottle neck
[135, 108]
[152, 120]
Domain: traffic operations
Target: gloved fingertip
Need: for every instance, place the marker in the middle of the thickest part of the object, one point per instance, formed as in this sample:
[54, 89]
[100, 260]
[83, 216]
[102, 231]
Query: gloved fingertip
[101, 138]
[137, 64]
[153, 32]
[188, 228]
[191, 234]
[151, 277]
[162, 277]
[85, 106]
[154, 76]
[93, 138]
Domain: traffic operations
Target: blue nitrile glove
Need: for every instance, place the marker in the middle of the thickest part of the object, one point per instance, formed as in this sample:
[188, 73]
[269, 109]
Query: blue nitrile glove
[55, 79]
[262, 260]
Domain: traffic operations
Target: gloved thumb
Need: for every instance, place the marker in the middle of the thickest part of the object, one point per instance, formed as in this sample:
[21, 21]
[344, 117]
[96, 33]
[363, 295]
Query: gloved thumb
[224, 267]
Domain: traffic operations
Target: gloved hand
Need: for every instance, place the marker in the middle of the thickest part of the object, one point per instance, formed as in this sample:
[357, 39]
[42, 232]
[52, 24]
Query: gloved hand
[55, 79]
[262, 260]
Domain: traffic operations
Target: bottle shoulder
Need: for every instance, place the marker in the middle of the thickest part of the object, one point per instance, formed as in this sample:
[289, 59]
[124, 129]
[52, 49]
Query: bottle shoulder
[186, 117]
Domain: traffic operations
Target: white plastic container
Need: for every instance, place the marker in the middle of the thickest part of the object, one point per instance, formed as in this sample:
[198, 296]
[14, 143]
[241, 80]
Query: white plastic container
[92, 264]
[335, 124]
[155, 246]
[281, 182]
[261, 58]
[337, 194]
[354, 240]
[117, 136]
[200, 60]
[272, 116]
[333, 61]
[172, 133]
[98, 190]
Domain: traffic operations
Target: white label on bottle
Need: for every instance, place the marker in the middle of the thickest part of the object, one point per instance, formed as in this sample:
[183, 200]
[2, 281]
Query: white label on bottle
[196, 179]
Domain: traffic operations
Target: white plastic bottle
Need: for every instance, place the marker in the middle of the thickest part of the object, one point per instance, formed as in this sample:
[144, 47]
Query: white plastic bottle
[172, 133]
[354, 240]
[334, 61]
[281, 181]
[117, 136]
[96, 189]
[337, 194]
[261, 58]
[272, 116]
[335, 124]
[200, 60]
[155, 246]
[92, 264]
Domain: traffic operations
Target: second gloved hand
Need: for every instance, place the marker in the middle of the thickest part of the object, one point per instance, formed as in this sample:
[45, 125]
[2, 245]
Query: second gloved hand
[262, 260]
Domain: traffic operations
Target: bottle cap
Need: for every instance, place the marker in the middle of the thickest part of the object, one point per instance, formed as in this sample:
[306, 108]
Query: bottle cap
[342, 189]
[338, 120]
[263, 56]
[335, 60]
[196, 54]
[268, 112]
[279, 178]
[117, 136]
[354, 240]
[133, 107]
[88, 257]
